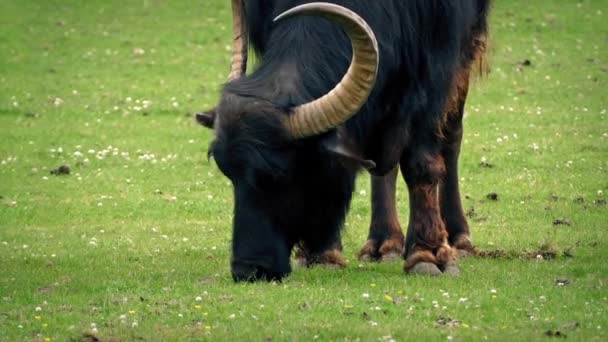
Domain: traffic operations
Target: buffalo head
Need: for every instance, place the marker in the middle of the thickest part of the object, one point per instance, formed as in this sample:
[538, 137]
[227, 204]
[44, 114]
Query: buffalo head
[291, 166]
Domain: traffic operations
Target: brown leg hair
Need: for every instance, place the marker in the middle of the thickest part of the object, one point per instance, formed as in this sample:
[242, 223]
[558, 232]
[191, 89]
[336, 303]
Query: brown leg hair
[385, 240]
[449, 193]
[427, 248]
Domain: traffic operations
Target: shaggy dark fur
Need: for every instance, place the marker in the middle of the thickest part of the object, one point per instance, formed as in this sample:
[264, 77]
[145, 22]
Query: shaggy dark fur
[290, 192]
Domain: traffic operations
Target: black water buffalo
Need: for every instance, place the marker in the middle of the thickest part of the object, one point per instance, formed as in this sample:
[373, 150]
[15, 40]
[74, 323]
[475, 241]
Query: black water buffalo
[342, 86]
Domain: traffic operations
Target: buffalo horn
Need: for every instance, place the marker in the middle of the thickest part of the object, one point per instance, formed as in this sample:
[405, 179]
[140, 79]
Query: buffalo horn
[239, 44]
[347, 97]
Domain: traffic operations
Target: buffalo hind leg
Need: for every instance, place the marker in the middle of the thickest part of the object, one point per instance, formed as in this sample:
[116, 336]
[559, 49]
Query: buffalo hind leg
[385, 240]
[459, 235]
[426, 244]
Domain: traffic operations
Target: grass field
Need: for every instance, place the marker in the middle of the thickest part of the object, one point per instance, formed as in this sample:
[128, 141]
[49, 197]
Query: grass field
[135, 242]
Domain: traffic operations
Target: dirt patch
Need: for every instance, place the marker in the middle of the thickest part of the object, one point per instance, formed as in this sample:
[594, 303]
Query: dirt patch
[31, 115]
[562, 222]
[554, 333]
[568, 253]
[62, 170]
[8, 202]
[559, 332]
[206, 280]
[471, 212]
[474, 216]
[92, 338]
[496, 254]
[446, 322]
[89, 338]
[45, 289]
[545, 251]
[542, 254]
[492, 196]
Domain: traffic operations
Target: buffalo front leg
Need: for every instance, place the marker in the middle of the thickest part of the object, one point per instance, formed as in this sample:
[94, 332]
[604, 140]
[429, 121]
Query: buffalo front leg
[385, 240]
[427, 248]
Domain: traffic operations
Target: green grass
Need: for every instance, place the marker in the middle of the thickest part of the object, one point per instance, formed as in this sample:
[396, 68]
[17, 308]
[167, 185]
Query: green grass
[133, 246]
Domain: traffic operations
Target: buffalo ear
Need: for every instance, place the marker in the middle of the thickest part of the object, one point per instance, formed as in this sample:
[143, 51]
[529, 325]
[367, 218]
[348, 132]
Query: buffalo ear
[346, 153]
[207, 118]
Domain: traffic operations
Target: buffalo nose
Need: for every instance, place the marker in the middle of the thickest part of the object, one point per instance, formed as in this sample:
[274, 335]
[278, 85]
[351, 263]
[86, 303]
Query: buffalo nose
[242, 271]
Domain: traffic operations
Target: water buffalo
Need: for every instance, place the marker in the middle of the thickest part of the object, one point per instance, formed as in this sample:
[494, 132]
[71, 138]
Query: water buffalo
[340, 87]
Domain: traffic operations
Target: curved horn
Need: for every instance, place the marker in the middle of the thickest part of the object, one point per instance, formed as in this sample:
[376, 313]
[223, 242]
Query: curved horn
[347, 97]
[239, 45]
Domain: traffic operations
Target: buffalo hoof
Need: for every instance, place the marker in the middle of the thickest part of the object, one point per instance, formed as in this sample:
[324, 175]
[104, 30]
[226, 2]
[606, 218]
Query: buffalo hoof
[391, 256]
[451, 269]
[331, 259]
[463, 253]
[425, 268]
[389, 250]
[464, 247]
